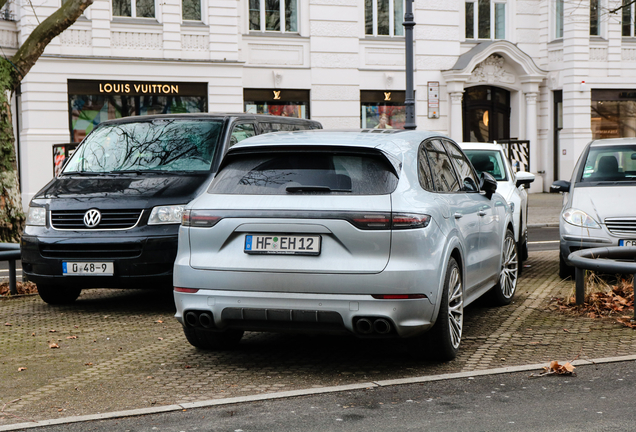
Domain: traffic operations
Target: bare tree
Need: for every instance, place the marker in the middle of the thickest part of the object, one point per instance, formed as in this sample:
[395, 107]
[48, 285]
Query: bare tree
[12, 71]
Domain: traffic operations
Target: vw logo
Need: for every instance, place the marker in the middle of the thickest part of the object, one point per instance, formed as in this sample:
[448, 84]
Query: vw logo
[92, 218]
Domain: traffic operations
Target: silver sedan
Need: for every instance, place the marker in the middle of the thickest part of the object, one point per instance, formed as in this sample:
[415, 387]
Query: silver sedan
[379, 234]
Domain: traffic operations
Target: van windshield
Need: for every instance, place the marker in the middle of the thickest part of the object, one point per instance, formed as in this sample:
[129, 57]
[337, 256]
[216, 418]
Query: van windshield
[160, 144]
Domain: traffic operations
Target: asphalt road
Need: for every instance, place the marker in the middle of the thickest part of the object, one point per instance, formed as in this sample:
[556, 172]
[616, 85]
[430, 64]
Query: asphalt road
[543, 238]
[598, 398]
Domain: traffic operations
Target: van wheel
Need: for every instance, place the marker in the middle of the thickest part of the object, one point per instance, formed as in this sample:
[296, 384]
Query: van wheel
[58, 295]
[505, 289]
[212, 340]
[443, 340]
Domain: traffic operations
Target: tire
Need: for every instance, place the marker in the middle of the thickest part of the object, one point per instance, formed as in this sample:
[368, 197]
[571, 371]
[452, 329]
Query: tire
[504, 291]
[565, 271]
[58, 295]
[442, 341]
[212, 340]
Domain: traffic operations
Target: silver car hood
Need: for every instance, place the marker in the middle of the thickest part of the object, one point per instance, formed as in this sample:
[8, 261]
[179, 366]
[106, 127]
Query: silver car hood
[602, 202]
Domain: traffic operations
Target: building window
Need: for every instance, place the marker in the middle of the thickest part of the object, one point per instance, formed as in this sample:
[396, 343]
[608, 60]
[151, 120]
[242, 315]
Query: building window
[382, 109]
[134, 8]
[558, 19]
[283, 102]
[594, 18]
[265, 15]
[628, 18]
[384, 17]
[613, 113]
[191, 10]
[485, 19]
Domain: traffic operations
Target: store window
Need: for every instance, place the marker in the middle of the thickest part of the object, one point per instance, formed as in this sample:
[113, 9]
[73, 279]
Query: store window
[628, 18]
[191, 10]
[92, 102]
[287, 103]
[134, 8]
[485, 19]
[382, 109]
[274, 15]
[558, 19]
[613, 113]
[384, 17]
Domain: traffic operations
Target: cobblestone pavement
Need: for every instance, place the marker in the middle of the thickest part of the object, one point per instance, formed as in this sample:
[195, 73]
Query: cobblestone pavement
[121, 350]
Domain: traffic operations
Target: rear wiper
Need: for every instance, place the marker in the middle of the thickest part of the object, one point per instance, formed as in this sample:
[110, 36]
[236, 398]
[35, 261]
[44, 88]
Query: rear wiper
[308, 188]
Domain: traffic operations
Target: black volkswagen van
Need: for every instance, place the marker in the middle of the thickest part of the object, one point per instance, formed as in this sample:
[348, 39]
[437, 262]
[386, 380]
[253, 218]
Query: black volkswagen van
[111, 218]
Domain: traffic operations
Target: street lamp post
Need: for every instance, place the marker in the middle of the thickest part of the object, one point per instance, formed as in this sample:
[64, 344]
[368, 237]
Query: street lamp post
[409, 100]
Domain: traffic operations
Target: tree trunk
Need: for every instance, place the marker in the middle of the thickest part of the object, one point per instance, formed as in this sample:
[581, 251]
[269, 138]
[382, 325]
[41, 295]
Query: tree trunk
[11, 215]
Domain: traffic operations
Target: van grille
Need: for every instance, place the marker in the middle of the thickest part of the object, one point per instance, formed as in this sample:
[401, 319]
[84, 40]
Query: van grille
[110, 219]
[91, 250]
[622, 226]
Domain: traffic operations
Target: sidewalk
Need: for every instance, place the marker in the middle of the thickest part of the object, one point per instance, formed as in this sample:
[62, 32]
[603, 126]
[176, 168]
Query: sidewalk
[121, 350]
[544, 209]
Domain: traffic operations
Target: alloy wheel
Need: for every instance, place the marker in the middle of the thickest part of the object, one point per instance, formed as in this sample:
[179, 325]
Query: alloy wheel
[510, 268]
[455, 307]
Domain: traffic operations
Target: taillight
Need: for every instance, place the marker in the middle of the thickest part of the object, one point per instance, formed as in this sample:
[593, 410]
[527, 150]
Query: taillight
[409, 221]
[398, 296]
[186, 290]
[200, 218]
[371, 221]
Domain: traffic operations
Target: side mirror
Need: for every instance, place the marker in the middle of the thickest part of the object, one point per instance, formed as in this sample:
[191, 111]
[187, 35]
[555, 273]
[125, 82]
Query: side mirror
[488, 184]
[560, 186]
[524, 178]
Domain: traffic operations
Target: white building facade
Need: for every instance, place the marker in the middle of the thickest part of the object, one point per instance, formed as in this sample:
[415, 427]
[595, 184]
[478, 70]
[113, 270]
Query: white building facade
[555, 73]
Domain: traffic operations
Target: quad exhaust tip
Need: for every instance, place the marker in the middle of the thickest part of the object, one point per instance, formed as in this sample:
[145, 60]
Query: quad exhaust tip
[367, 326]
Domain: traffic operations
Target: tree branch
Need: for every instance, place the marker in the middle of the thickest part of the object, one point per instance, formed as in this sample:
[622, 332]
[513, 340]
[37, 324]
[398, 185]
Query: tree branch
[623, 6]
[2, 3]
[34, 46]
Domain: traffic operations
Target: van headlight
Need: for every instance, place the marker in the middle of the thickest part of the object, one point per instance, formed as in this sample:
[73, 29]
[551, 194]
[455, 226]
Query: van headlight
[579, 218]
[36, 216]
[166, 215]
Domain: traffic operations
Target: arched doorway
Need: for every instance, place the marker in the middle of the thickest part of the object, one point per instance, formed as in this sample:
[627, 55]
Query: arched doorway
[486, 114]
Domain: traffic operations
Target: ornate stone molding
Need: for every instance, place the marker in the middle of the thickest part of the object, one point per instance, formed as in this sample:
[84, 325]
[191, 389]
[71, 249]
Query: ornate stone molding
[628, 54]
[456, 98]
[598, 54]
[135, 40]
[195, 42]
[8, 38]
[555, 55]
[75, 37]
[491, 71]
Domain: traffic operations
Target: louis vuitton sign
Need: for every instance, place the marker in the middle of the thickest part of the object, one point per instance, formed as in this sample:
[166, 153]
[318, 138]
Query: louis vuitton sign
[136, 88]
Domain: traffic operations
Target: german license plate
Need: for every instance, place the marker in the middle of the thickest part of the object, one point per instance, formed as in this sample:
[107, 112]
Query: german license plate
[284, 244]
[87, 268]
[627, 243]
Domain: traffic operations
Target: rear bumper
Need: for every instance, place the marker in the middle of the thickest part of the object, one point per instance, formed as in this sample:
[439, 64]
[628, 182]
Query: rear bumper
[139, 262]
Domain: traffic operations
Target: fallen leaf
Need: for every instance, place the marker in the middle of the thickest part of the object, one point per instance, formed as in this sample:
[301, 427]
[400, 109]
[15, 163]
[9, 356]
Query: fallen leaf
[149, 377]
[88, 364]
[53, 345]
[71, 337]
[52, 331]
[33, 334]
[8, 324]
[566, 330]
[160, 338]
[20, 369]
[159, 322]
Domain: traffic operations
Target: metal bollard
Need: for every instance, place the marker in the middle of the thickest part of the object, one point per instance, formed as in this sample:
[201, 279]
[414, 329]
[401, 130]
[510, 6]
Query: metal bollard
[579, 277]
[13, 289]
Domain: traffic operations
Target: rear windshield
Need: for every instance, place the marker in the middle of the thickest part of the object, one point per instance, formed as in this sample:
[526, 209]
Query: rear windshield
[489, 161]
[305, 173]
[610, 164]
[161, 145]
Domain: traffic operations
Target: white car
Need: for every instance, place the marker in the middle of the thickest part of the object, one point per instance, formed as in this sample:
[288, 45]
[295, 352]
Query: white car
[512, 185]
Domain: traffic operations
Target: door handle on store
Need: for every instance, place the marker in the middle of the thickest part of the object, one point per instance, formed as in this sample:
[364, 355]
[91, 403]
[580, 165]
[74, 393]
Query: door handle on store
[458, 215]
[481, 213]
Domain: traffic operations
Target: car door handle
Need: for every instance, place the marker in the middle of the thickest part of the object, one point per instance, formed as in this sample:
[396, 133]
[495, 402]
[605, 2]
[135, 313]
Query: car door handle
[458, 215]
[481, 213]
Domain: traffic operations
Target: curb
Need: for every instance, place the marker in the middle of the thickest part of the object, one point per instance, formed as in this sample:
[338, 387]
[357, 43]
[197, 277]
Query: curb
[306, 392]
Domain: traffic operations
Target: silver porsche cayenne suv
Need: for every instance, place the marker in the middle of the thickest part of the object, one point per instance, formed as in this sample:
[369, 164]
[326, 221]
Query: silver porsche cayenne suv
[375, 233]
